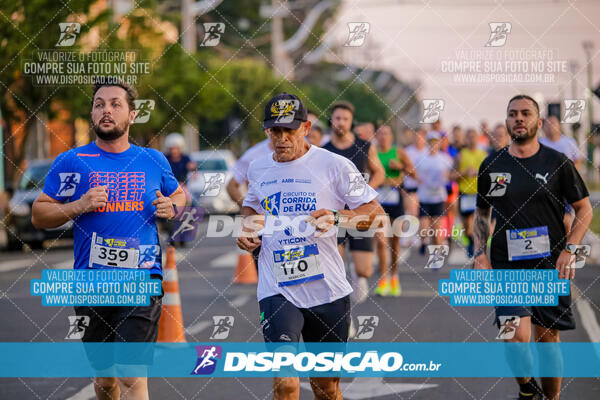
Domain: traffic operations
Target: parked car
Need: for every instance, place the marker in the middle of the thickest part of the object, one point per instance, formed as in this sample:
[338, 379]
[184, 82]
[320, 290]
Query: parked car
[20, 229]
[207, 184]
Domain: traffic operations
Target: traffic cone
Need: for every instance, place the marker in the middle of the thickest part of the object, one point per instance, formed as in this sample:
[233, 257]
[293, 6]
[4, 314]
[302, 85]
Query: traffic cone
[170, 325]
[245, 271]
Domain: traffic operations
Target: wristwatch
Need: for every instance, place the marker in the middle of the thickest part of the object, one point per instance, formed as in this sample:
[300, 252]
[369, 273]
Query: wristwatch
[571, 248]
[479, 252]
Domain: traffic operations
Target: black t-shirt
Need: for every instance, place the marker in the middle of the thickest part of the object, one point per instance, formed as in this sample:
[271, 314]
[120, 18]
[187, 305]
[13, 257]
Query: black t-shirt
[358, 153]
[179, 167]
[528, 193]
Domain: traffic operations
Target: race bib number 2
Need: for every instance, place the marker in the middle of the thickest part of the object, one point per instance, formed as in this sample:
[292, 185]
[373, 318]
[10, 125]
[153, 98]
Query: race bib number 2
[114, 252]
[525, 244]
[297, 265]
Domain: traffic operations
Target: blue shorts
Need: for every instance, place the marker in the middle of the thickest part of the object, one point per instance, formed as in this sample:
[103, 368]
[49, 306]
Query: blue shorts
[282, 321]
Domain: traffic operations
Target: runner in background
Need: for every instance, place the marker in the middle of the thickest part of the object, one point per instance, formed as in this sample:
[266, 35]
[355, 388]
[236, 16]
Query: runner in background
[396, 163]
[315, 137]
[499, 138]
[411, 201]
[465, 170]
[457, 138]
[239, 171]
[181, 165]
[554, 139]
[433, 170]
[366, 132]
[485, 137]
[451, 206]
[364, 157]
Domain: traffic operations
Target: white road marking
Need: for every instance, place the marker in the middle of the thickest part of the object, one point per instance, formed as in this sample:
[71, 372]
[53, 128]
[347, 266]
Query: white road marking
[368, 388]
[227, 260]
[198, 327]
[457, 258]
[87, 393]
[18, 263]
[239, 301]
[589, 320]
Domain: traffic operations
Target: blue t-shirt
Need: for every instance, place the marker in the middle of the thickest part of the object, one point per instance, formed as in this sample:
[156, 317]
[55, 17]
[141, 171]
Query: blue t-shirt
[132, 179]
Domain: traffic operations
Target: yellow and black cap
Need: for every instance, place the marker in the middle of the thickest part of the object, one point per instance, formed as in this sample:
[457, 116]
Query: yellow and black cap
[284, 110]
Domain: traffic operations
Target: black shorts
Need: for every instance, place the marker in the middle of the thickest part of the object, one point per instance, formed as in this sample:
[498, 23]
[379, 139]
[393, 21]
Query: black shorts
[356, 243]
[282, 321]
[394, 211]
[558, 317]
[410, 190]
[125, 325]
[431, 209]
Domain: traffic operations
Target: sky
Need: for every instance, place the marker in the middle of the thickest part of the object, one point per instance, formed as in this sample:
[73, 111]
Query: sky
[425, 42]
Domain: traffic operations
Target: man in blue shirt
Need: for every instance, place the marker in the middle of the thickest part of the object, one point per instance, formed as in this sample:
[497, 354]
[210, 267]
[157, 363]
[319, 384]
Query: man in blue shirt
[112, 189]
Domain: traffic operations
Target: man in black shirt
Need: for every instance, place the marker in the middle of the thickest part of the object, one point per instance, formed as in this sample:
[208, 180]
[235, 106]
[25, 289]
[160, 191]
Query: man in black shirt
[527, 184]
[364, 156]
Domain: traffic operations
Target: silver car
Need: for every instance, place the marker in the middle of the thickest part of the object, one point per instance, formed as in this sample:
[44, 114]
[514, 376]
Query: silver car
[207, 184]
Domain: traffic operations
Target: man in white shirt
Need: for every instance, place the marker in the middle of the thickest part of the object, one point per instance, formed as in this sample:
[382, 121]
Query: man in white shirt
[554, 139]
[301, 190]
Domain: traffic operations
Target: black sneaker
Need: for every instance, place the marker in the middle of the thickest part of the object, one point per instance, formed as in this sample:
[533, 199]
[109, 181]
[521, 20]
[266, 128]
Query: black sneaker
[535, 392]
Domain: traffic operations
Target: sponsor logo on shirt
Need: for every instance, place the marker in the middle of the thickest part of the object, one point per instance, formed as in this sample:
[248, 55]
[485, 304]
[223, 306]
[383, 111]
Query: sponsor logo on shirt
[88, 155]
[265, 183]
[68, 183]
[125, 190]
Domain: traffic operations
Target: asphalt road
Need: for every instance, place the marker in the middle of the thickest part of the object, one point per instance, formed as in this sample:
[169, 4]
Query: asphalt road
[205, 271]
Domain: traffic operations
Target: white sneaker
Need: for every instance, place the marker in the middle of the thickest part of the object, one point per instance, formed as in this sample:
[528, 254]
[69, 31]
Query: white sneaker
[361, 290]
[351, 330]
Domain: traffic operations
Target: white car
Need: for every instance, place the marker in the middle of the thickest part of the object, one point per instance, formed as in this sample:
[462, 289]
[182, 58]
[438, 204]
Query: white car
[207, 184]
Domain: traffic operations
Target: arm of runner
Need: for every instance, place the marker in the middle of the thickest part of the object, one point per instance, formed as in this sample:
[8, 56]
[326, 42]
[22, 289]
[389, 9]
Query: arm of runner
[362, 218]
[409, 167]
[248, 239]
[47, 212]
[481, 233]
[375, 168]
[164, 205]
[583, 218]
[456, 173]
[233, 190]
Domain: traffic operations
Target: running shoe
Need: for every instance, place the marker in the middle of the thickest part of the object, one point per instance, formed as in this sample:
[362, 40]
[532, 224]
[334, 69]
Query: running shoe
[383, 289]
[396, 289]
[362, 290]
[534, 392]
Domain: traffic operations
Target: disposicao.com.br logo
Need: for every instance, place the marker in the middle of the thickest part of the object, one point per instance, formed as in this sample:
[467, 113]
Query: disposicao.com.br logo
[351, 362]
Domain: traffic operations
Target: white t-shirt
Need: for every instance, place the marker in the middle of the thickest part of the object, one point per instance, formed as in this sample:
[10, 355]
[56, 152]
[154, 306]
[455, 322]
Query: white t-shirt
[414, 154]
[239, 171]
[433, 171]
[286, 193]
[565, 144]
